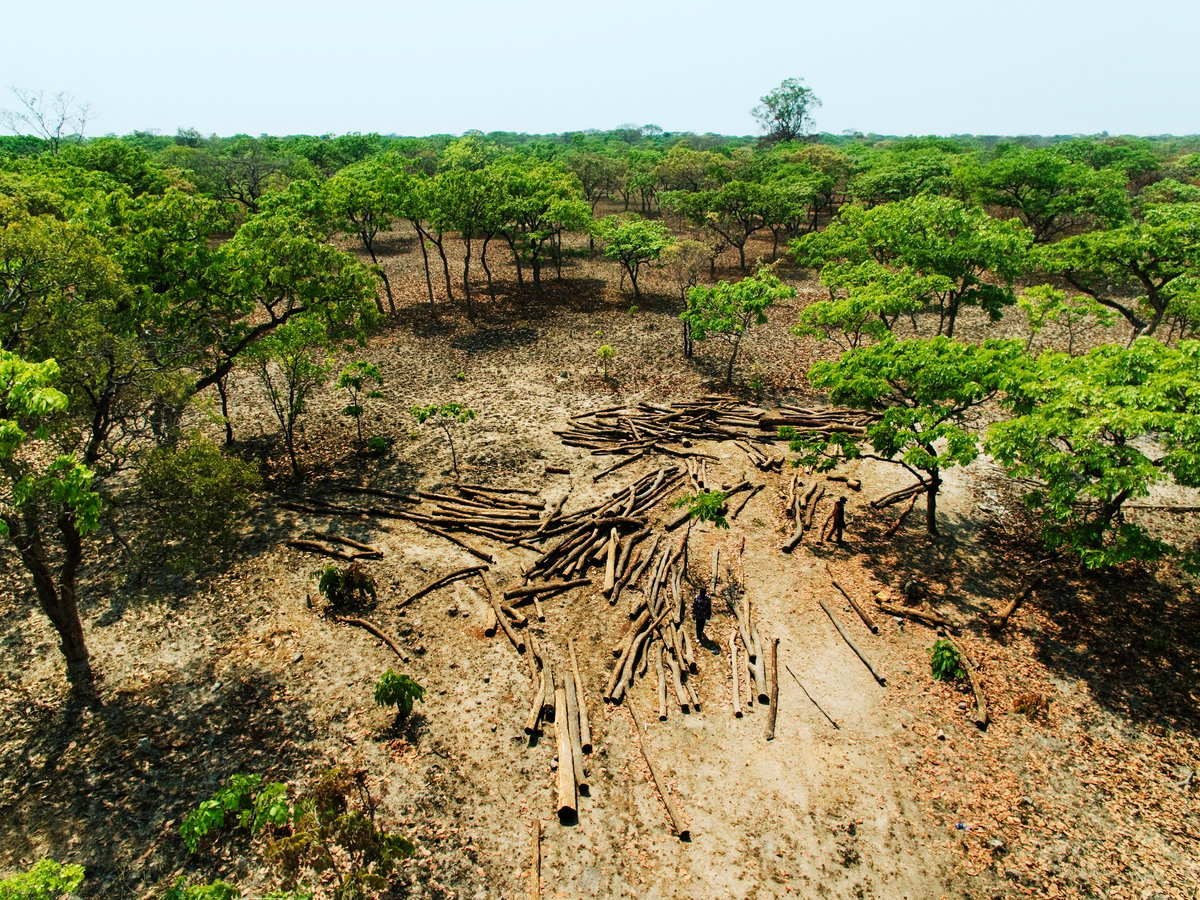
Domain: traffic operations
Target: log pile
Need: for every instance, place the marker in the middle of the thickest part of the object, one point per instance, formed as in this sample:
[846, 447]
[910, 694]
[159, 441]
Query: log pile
[800, 507]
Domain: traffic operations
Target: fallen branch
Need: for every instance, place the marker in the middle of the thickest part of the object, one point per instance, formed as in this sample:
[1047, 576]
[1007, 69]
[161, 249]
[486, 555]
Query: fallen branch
[676, 822]
[375, 630]
[772, 687]
[853, 646]
[862, 613]
[810, 697]
[441, 582]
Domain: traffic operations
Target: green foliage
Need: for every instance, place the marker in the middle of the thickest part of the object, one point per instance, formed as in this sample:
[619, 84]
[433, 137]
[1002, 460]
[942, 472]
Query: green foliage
[194, 493]
[633, 242]
[951, 255]
[785, 112]
[923, 388]
[445, 415]
[399, 691]
[729, 310]
[945, 662]
[866, 301]
[604, 353]
[334, 831]
[1044, 305]
[46, 880]
[355, 380]
[216, 890]
[242, 802]
[704, 506]
[1094, 431]
[349, 589]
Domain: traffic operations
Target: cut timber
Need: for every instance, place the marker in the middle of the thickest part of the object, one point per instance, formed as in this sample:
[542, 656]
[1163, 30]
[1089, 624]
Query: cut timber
[742, 505]
[345, 541]
[557, 470]
[897, 496]
[490, 623]
[375, 630]
[541, 590]
[478, 554]
[760, 668]
[441, 582]
[981, 708]
[535, 869]
[925, 618]
[733, 662]
[322, 550]
[568, 799]
[1006, 613]
[810, 697]
[662, 681]
[610, 567]
[895, 526]
[772, 686]
[849, 641]
[535, 711]
[573, 731]
[501, 618]
[676, 822]
[862, 613]
[585, 728]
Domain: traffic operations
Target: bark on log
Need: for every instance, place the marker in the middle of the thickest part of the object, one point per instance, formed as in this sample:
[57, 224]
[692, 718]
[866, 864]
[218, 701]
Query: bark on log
[610, 567]
[501, 619]
[896, 496]
[535, 871]
[338, 539]
[375, 630]
[925, 618]
[895, 526]
[557, 470]
[981, 708]
[322, 550]
[440, 582]
[772, 686]
[489, 622]
[573, 730]
[733, 662]
[585, 727]
[541, 590]
[478, 554]
[677, 825]
[742, 505]
[535, 711]
[662, 681]
[568, 799]
[760, 668]
[853, 646]
[862, 613]
[1006, 613]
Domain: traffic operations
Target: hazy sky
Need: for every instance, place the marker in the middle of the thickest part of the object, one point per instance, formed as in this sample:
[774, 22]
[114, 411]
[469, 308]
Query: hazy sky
[888, 66]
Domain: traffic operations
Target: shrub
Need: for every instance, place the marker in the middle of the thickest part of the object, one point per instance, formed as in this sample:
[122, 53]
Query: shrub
[347, 590]
[46, 880]
[945, 662]
[399, 691]
[243, 801]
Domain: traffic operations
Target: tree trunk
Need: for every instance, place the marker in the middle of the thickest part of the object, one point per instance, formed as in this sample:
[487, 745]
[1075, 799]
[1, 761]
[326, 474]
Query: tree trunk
[369, 243]
[467, 279]
[487, 269]
[931, 492]
[425, 259]
[223, 390]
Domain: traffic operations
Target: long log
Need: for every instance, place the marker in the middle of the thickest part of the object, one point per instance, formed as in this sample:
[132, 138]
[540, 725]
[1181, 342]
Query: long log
[925, 618]
[490, 623]
[478, 554]
[610, 567]
[810, 697]
[733, 663]
[535, 870]
[662, 681]
[548, 708]
[772, 686]
[677, 825]
[541, 590]
[568, 799]
[853, 646]
[322, 550]
[681, 695]
[585, 728]
[760, 668]
[501, 618]
[981, 708]
[742, 505]
[1006, 613]
[495, 490]
[895, 526]
[375, 630]
[862, 613]
[339, 539]
[573, 731]
[441, 582]
[896, 496]
[535, 711]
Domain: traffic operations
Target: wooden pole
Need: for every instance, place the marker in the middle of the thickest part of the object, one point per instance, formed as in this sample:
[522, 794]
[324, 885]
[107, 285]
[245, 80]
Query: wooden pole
[853, 646]
[862, 613]
[568, 799]
[573, 731]
[535, 871]
[585, 728]
[676, 822]
[772, 686]
[733, 662]
[810, 697]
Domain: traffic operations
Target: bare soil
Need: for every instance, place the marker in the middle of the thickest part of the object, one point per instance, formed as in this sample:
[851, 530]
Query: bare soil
[1086, 796]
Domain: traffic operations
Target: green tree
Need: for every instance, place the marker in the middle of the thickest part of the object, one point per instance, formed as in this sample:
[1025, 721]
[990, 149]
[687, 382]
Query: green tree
[785, 113]
[292, 363]
[965, 257]
[866, 299]
[730, 310]
[45, 880]
[1138, 270]
[50, 504]
[445, 416]
[735, 211]
[1045, 305]
[633, 242]
[468, 201]
[360, 201]
[1095, 431]
[356, 379]
[539, 201]
[924, 388]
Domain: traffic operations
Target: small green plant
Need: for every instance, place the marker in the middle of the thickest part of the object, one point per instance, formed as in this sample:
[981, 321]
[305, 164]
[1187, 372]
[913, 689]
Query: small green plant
[356, 380]
[705, 506]
[633, 310]
[399, 691]
[377, 445]
[347, 590]
[444, 415]
[243, 802]
[217, 890]
[45, 880]
[461, 376]
[604, 353]
[945, 662]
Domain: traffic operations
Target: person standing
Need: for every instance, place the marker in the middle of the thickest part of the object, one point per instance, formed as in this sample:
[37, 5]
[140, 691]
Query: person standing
[701, 612]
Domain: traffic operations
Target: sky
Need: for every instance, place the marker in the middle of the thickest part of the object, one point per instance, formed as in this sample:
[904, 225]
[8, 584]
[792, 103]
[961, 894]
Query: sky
[428, 67]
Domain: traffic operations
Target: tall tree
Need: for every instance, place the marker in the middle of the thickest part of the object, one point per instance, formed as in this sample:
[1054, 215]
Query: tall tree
[728, 310]
[633, 242]
[785, 113]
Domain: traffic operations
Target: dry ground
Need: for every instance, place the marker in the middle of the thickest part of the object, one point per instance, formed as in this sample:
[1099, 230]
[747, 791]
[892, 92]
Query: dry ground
[234, 672]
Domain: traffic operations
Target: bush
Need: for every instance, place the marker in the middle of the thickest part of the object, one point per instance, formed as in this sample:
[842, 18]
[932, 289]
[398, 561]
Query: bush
[47, 880]
[194, 493]
[945, 662]
[399, 691]
[246, 800]
[347, 590]
[217, 890]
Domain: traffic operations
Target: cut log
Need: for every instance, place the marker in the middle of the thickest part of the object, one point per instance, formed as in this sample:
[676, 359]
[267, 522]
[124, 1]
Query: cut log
[440, 582]
[741, 505]
[535, 870]
[897, 496]
[478, 554]
[662, 681]
[850, 642]
[568, 799]
[322, 550]
[862, 613]
[535, 711]
[501, 619]
[760, 668]
[345, 541]
[573, 731]
[610, 568]
[374, 629]
[772, 686]
[895, 526]
[981, 707]
[733, 662]
[1011, 607]
[677, 825]
[557, 470]
[585, 728]
[925, 618]
[489, 622]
